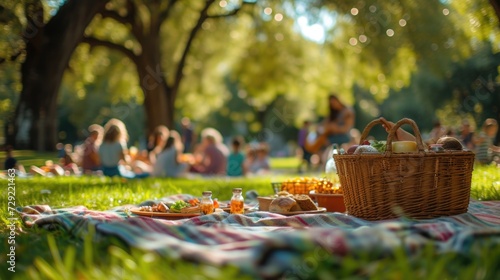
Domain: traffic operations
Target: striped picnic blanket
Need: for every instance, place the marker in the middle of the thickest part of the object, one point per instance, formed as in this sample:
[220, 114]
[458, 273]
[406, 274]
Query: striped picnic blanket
[268, 245]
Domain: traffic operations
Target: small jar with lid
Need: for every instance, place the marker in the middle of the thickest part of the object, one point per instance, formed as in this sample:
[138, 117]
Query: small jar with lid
[206, 203]
[438, 148]
[237, 202]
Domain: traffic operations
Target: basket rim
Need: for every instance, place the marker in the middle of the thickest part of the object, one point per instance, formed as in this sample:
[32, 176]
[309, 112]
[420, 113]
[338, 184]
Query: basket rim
[327, 194]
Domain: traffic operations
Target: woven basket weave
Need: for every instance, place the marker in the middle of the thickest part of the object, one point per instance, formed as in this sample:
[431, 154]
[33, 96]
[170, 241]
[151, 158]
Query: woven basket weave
[418, 185]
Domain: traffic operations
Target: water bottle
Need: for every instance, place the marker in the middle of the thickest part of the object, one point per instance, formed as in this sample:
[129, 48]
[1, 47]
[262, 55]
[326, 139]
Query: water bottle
[330, 166]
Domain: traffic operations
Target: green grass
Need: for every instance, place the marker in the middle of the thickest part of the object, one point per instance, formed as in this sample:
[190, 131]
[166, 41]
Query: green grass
[59, 255]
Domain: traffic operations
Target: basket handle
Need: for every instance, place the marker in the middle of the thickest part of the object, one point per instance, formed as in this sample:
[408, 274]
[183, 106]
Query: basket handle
[369, 127]
[392, 133]
[416, 131]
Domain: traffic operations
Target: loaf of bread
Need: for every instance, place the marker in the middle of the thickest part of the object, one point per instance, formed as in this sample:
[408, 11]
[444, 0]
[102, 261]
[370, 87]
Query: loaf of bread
[282, 204]
[305, 202]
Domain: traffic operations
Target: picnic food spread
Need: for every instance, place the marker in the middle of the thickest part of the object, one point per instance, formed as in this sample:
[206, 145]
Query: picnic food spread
[179, 206]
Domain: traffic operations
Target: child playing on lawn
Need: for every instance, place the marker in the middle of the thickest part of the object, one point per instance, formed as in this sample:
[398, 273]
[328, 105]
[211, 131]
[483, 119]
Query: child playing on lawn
[113, 151]
[236, 159]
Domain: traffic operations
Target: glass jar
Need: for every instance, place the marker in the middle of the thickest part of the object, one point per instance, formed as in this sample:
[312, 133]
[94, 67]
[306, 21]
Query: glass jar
[237, 202]
[206, 203]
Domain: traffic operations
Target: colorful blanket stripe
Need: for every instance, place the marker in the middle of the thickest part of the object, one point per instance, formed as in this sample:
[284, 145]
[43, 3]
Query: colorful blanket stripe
[267, 244]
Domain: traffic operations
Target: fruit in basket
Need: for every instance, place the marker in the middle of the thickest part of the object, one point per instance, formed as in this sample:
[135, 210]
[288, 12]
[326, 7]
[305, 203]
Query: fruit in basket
[363, 149]
[351, 149]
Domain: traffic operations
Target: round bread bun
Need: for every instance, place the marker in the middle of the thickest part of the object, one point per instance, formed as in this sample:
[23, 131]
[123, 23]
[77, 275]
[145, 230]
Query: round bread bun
[282, 204]
[450, 143]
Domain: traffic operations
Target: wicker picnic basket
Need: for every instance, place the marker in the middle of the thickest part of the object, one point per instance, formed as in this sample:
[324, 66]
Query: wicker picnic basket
[419, 185]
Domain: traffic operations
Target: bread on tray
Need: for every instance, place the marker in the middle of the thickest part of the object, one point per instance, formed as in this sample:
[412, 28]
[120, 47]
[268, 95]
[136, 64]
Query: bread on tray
[283, 202]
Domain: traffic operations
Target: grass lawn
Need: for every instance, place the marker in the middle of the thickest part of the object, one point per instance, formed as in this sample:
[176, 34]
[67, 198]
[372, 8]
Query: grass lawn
[58, 255]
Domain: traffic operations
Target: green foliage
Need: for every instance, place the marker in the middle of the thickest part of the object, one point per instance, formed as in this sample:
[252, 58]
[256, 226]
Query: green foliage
[485, 183]
[374, 52]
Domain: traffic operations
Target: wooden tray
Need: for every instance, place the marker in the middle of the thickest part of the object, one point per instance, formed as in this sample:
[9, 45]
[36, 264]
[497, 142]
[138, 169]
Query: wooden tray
[162, 215]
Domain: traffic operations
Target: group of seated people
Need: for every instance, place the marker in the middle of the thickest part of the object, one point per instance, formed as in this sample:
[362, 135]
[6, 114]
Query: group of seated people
[105, 152]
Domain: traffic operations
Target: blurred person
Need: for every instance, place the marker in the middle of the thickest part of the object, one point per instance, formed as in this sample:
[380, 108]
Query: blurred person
[157, 143]
[91, 161]
[60, 151]
[169, 162]
[69, 161]
[466, 135]
[113, 151]
[335, 127]
[301, 141]
[437, 132]
[339, 122]
[260, 163]
[187, 135]
[211, 157]
[11, 162]
[123, 138]
[484, 141]
[236, 159]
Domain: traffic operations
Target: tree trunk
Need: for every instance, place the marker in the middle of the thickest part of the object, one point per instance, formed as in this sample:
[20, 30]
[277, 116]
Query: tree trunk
[152, 81]
[48, 50]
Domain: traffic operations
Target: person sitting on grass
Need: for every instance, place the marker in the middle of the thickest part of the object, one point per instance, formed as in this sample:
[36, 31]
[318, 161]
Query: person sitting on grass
[484, 142]
[68, 162]
[90, 158]
[258, 162]
[113, 151]
[168, 162]
[212, 154]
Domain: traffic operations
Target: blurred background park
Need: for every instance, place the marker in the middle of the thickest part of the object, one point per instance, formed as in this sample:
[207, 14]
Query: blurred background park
[256, 68]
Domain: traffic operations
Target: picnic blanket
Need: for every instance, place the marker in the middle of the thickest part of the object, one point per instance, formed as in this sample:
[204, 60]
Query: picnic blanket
[268, 245]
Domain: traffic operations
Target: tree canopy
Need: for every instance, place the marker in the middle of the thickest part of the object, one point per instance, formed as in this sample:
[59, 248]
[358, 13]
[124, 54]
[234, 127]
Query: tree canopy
[190, 58]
